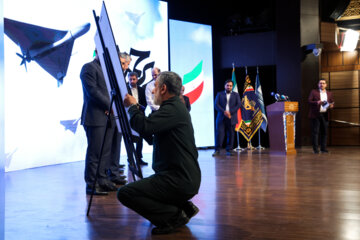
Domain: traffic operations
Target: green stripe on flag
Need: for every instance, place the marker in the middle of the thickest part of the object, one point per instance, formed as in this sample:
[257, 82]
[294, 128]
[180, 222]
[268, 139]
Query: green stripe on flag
[193, 74]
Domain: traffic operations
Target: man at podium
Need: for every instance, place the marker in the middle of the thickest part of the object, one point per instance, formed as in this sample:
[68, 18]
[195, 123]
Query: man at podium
[320, 102]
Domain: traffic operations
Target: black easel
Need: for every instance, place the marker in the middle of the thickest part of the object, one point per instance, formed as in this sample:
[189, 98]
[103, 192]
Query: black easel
[116, 99]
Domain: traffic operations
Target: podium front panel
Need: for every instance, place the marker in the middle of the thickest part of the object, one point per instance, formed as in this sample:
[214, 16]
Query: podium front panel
[289, 125]
[282, 122]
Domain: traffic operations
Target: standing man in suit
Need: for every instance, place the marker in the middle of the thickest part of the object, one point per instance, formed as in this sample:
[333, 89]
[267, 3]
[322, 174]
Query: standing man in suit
[149, 88]
[320, 102]
[226, 104]
[138, 93]
[94, 118]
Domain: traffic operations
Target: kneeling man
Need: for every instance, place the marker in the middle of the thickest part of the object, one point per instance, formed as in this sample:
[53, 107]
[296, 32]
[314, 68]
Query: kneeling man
[163, 198]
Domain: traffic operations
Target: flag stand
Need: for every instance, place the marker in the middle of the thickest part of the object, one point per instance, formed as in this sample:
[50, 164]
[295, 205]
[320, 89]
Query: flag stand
[249, 146]
[260, 147]
[239, 149]
[258, 93]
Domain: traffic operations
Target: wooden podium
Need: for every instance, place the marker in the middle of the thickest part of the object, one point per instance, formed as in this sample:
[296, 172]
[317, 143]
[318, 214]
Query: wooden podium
[281, 121]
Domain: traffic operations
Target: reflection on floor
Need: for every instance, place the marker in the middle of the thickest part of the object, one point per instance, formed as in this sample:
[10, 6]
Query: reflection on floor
[251, 195]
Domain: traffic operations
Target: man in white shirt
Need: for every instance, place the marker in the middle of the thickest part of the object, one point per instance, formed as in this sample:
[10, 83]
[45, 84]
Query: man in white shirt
[149, 88]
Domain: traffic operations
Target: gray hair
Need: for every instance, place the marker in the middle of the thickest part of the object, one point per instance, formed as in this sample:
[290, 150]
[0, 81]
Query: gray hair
[172, 81]
[125, 55]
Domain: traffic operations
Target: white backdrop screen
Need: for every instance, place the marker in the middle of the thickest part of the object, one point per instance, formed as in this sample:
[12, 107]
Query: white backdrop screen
[191, 57]
[42, 124]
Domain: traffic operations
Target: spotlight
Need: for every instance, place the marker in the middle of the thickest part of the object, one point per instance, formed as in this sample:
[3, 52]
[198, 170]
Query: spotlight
[349, 40]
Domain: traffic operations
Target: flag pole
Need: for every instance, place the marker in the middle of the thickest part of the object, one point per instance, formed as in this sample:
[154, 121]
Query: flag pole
[238, 148]
[259, 147]
[249, 146]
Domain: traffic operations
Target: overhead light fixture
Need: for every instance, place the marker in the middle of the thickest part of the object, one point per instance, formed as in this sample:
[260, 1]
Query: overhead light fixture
[349, 40]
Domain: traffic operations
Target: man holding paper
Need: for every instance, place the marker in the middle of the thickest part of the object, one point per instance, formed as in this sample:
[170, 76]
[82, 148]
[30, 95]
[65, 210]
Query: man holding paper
[320, 102]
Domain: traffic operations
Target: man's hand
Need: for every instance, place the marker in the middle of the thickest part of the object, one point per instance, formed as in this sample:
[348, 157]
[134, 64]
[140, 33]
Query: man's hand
[227, 114]
[129, 100]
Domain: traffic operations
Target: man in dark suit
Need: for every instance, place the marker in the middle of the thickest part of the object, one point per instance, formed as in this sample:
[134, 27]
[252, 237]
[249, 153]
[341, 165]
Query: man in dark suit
[138, 93]
[94, 118]
[226, 104]
[320, 102]
[163, 198]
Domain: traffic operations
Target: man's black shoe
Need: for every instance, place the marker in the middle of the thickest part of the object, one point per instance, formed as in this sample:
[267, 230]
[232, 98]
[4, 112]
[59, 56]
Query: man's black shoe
[324, 151]
[114, 174]
[190, 209]
[108, 186]
[162, 230]
[228, 153]
[142, 162]
[180, 221]
[98, 191]
[119, 180]
[316, 151]
[216, 153]
[120, 176]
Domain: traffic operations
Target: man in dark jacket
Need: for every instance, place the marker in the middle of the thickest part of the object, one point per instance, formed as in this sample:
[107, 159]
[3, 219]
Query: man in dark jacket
[226, 104]
[94, 118]
[163, 198]
[320, 102]
[138, 93]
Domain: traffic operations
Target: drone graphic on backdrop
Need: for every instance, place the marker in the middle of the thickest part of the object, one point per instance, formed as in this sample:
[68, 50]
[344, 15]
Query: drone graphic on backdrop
[50, 48]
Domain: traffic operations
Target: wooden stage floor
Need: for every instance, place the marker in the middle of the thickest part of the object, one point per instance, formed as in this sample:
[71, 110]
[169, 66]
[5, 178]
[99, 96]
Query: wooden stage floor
[252, 195]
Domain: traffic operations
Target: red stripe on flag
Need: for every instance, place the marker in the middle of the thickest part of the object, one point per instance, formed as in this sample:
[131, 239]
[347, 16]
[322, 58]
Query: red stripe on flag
[195, 94]
[237, 126]
[249, 89]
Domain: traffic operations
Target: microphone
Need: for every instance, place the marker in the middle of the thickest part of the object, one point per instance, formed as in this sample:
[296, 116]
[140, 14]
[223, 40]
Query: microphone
[275, 95]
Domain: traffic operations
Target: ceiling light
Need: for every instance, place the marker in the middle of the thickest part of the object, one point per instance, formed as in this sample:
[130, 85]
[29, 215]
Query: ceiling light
[349, 40]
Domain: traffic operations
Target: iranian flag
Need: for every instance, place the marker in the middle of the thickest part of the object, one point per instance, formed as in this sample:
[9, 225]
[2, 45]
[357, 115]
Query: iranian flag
[235, 89]
[194, 83]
